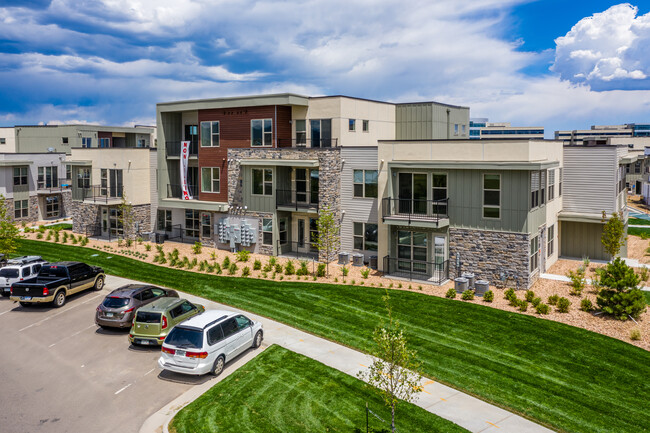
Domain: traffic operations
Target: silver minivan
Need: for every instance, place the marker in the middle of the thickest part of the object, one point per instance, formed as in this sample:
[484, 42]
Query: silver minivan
[205, 343]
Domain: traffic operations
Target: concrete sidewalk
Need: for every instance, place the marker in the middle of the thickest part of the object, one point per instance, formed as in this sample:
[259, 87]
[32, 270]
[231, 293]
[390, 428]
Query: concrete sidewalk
[589, 280]
[469, 412]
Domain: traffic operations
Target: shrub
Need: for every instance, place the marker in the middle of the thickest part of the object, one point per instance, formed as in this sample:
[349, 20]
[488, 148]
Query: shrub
[320, 271]
[64, 238]
[139, 240]
[552, 300]
[542, 308]
[419, 287]
[352, 282]
[246, 271]
[620, 296]
[289, 269]
[399, 285]
[303, 270]
[529, 295]
[39, 236]
[278, 268]
[336, 280]
[213, 255]
[267, 267]
[390, 286]
[120, 242]
[361, 283]
[273, 260]
[345, 271]
[160, 248]
[243, 255]
[226, 262]
[147, 247]
[202, 266]
[488, 296]
[232, 269]
[217, 268]
[585, 262]
[281, 277]
[635, 334]
[536, 301]
[410, 287]
[523, 305]
[643, 274]
[197, 247]
[509, 294]
[365, 272]
[644, 236]
[49, 237]
[257, 265]
[563, 305]
[56, 236]
[467, 295]
[578, 281]
[586, 305]
[451, 293]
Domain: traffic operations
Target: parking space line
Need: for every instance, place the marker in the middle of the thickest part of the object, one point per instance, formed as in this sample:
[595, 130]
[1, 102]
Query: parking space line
[73, 335]
[122, 389]
[150, 371]
[5, 312]
[61, 312]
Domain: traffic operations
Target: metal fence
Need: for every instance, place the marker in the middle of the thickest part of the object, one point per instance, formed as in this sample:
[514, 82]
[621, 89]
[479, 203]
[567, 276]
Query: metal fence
[415, 209]
[295, 199]
[322, 143]
[434, 272]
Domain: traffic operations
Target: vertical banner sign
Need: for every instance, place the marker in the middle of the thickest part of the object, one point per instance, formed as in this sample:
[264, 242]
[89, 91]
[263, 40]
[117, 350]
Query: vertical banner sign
[185, 154]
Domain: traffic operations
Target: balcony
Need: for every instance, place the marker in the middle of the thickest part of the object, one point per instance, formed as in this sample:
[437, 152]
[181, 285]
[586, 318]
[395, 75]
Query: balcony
[173, 149]
[292, 200]
[53, 186]
[103, 194]
[436, 273]
[322, 143]
[176, 191]
[418, 212]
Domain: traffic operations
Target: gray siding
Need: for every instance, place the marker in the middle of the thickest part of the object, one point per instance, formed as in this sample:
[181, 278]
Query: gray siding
[589, 181]
[356, 209]
[259, 203]
[579, 240]
[153, 175]
[427, 121]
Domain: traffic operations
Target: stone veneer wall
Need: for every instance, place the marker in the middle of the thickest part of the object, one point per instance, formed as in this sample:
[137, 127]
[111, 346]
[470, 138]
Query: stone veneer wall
[83, 215]
[329, 180]
[65, 206]
[32, 206]
[488, 254]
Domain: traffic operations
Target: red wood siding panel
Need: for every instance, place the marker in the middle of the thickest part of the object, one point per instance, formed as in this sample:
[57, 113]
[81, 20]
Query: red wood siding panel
[235, 132]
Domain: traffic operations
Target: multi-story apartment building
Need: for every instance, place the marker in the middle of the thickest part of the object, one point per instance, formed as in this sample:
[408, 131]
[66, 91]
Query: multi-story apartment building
[34, 186]
[489, 207]
[480, 128]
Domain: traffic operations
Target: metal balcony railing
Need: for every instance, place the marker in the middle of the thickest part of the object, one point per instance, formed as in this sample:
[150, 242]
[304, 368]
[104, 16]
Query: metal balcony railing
[308, 143]
[102, 194]
[415, 209]
[299, 250]
[436, 273]
[173, 148]
[176, 191]
[53, 185]
[295, 199]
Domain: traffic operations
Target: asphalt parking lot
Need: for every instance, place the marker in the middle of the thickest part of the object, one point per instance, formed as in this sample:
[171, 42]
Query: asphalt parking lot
[61, 373]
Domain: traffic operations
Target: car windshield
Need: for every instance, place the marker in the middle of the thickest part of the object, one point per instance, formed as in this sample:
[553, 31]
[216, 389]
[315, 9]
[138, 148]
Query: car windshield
[183, 337]
[147, 317]
[115, 302]
[9, 273]
[53, 271]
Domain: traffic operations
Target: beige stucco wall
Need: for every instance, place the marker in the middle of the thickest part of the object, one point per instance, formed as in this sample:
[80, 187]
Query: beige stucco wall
[9, 136]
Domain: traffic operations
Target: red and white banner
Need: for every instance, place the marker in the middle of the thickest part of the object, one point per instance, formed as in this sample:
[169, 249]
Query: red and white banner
[185, 154]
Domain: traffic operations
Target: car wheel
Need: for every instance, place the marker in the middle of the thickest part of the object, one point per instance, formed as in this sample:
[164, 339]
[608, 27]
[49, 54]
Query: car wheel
[59, 299]
[25, 304]
[6, 295]
[257, 342]
[99, 283]
[217, 368]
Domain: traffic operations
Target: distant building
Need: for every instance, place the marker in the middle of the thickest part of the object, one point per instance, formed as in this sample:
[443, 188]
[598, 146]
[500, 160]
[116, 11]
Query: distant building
[602, 132]
[481, 128]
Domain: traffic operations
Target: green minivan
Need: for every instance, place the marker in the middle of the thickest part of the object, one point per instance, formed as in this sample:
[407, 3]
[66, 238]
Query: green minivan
[153, 322]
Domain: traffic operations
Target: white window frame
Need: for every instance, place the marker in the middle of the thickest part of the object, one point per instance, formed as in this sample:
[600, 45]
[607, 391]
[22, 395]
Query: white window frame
[550, 242]
[267, 231]
[266, 141]
[21, 211]
[265, 183]
[213, 135]
[363, 184]
[534, 254]
[21, 177]
[490, 206]
[212, 171]
[551, 185]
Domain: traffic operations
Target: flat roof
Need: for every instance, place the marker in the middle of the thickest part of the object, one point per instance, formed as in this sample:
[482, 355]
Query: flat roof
[107, 128]
[471, 140]
[235, 101]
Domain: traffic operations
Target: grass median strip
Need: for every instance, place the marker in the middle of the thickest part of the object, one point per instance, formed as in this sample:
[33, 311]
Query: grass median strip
[566, 377]
[282, 391]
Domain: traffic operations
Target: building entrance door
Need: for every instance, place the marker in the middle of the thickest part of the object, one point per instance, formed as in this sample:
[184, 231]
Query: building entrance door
[412, 193]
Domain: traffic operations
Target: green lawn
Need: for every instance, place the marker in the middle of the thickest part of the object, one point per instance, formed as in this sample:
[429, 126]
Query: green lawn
[282, 391]
[647, 297]
[638, 231]
[569, 378]
[638, 222]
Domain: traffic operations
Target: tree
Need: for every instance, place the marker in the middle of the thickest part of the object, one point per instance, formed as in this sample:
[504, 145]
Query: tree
[9, 233]
[393, 369]
[619, 296]
[128, 218]
[613, 237]
[328, 239]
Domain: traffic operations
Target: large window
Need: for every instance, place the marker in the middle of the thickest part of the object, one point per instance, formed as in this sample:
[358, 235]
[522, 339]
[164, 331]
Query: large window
[192, 223]
[306, 185]
[267, 231]
[86, 142]
[313, 234]
[283, 231]
[20, 175]
[534, 189]
[210, 179]
[206, 225]
[52, 206]
[492, 196]
[365, 183]
[104, 142]
[301, 132]
[534, 254]
[103, 182]
[164, 220]
[551, 185]
[262, 181]
[21, 209]
[83, 178]
[365, 236]
[261, 132]
[439, 183]
[412, 247]
[210, 134]
[321, 132]
[550, 242]
[115, 221]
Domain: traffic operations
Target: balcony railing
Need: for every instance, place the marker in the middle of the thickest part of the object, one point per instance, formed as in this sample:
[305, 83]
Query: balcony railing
[308, 143]
[415, 209]
[102, 194]
[53, 185]
[294, 199]
[173, 148]
[299, 250]
[176, 191]
[436, 273]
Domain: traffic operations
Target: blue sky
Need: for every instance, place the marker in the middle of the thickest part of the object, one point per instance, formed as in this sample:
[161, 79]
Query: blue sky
[551, 63]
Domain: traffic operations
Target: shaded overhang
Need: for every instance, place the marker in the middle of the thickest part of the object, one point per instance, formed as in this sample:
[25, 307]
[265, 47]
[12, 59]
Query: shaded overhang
[280, 162]
[476, 165]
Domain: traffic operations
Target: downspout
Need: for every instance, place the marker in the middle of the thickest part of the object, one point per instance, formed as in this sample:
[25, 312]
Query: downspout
[448, 124]
[275, 127]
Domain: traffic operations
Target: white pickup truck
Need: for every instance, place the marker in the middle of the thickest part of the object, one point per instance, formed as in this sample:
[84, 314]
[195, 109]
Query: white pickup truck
[17, 270]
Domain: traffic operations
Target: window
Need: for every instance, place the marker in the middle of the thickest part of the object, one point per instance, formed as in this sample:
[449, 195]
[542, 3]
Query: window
[637, 167]
[3, 140]
[21, 209]
[115, 221]
[210, 179]
[313, 233]
[492, 196]
[103, 182]
[83, 178]
[64, 140]
[210, 134]
[352, 125]
[141, 142]
[192, 223]
[321, 132]
[47, 177]
[215, 335]
[164, 220]
[542, 186]
[534, 189]
[365, 236]
[366, 125]
[262, 181]
[242, 322]
[283, 231]
[456, 129]
[534, 254]
[68, 172]
[261, 132]
[20, 175]
[104, 142]
[301, 132]
[439, 182]
[86, 142]
[550, 242]
[412, 246]
[51, 206]
[463, 129]
[229, 327]
[365, 183]
[267, 231]
[206, 225]
[551, 185]
[559, 188]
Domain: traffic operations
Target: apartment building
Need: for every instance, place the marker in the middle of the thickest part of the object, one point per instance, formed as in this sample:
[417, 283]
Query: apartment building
[628, 130]
[489, 207]
[34, 186]
[480, 128]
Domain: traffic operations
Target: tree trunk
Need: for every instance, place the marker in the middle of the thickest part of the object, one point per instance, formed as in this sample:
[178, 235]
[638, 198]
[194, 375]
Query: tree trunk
[392, 414]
